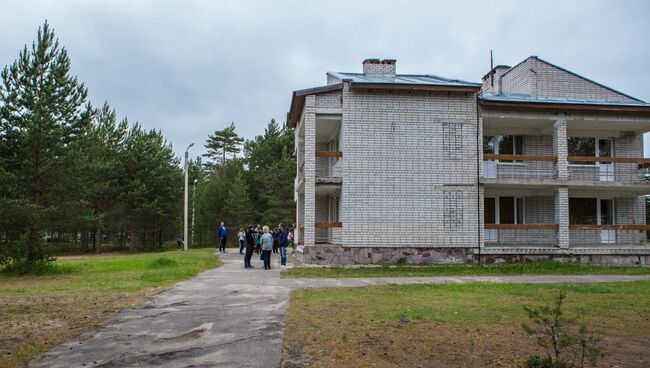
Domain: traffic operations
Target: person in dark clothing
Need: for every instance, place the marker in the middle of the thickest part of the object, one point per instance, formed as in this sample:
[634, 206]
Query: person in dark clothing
[283, 242]
[250, 244]
[276, 240]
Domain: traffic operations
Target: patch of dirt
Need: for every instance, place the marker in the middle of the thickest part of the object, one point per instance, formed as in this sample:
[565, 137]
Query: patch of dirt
[33, 323]
[333, 340]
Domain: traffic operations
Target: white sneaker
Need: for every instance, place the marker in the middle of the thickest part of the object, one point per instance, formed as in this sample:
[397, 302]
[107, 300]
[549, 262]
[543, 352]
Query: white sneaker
[283, 266]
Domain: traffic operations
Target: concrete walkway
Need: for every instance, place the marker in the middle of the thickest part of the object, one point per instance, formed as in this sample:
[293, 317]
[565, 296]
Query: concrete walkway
[224, 317]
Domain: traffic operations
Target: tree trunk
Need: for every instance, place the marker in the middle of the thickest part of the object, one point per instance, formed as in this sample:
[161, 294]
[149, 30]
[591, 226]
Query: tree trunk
[98, 239]
[132, 239]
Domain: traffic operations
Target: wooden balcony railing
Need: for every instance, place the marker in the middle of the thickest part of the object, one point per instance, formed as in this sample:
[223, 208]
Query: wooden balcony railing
[521, 226]
[642, 162]
[621, 227]
[329, 154]
[324, 224]
[492, 156]
[327, 224]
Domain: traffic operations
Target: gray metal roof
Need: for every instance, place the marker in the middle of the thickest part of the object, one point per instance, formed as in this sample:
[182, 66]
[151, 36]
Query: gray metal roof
[403, 79]
[505, 97]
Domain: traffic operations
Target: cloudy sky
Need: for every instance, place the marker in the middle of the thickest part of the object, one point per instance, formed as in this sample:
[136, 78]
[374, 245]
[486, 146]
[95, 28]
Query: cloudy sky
[191, 67]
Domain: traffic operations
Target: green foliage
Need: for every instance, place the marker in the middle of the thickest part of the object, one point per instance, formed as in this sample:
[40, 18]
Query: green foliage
[43, 113]
[71, 172]
[257, 188]
[162, 262]
[554, 331]
[222, 143]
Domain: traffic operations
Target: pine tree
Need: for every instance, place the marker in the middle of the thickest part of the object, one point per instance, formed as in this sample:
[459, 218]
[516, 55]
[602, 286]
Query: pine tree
[223, 142]
[102, 146]
[42, 114]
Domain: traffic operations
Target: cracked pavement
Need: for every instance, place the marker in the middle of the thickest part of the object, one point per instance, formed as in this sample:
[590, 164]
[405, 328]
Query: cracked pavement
[224, 317]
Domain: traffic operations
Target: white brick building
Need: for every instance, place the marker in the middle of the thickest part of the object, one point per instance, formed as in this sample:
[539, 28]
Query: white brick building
[535, 162]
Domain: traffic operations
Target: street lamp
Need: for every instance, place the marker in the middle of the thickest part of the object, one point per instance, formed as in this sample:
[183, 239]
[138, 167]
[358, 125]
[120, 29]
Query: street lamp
[187, 166]
[193, 207]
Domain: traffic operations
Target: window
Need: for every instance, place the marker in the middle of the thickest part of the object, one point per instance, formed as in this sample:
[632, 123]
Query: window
[591, 211]
[452, 208]
[489, 211]
[452, 140]
[590, 147]
[503, 210]
[583, 211]
[503, 145]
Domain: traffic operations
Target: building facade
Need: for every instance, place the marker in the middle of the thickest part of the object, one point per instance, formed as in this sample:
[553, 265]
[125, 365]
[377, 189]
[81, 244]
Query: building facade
[534, 162]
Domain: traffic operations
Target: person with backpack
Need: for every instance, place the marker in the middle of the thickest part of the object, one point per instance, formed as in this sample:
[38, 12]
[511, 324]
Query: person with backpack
[250, 244]
[283, 243]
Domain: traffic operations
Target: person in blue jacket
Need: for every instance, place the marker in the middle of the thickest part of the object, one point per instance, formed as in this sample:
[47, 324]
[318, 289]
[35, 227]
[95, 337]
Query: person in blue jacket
[223, 236]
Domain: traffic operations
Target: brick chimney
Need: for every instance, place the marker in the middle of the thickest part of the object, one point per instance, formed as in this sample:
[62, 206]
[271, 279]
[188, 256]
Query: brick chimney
[380, 67]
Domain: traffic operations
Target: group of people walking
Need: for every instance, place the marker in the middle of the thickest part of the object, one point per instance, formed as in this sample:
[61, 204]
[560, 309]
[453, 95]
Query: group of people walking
[261, 240]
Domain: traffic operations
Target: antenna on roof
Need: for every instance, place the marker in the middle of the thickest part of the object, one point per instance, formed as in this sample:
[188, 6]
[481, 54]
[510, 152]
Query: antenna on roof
[491, 70]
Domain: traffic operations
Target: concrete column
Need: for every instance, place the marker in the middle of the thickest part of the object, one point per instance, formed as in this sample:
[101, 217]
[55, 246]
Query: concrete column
[560, 148]
[310, 170]
[562, 216]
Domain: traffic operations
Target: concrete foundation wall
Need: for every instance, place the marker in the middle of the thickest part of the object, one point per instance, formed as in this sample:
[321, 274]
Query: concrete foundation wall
[338, 256]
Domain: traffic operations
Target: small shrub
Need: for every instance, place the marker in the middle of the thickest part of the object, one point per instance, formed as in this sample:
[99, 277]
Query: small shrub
[568, 348]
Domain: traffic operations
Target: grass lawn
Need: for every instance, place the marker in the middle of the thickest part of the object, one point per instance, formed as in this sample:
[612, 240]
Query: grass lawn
[41, 311]
[457, 325]
[532, 268]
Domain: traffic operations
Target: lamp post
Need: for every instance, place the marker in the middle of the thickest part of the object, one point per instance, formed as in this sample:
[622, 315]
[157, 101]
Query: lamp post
[193, 207]
[187, 166]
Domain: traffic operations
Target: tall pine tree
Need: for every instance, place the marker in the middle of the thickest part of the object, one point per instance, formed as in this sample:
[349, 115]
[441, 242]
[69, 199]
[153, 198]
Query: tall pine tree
[223, 142]
[42, 114]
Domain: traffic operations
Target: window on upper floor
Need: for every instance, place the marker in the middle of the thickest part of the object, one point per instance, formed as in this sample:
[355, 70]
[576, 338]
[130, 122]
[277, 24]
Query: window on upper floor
[589, 147]
[503, 145]
[503, 210]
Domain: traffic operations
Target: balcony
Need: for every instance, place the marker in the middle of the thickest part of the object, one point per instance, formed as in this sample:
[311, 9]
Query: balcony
[519, 166]
[619, 234]
[628, 170]
[520, 234]
[328, 164]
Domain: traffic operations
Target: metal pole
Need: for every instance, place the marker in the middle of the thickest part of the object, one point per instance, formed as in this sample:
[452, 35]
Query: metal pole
[186, 193]
[193, 207]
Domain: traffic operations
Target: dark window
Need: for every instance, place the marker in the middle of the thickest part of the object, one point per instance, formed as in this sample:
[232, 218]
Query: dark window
[506, 145]
[583, 211]
[488, 144]
[520, 210]
[506, 210]
[580, 146]
[489, 211]
[606, 212]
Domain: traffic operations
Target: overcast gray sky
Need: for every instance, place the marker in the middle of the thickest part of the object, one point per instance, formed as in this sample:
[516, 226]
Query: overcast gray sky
[190, 67]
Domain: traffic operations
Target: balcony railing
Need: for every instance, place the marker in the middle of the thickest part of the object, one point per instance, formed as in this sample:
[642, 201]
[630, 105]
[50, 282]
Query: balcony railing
[301, 172]
[520, 234]
[631, 235]
[519, 166]
[603, 169]
[328, 163]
